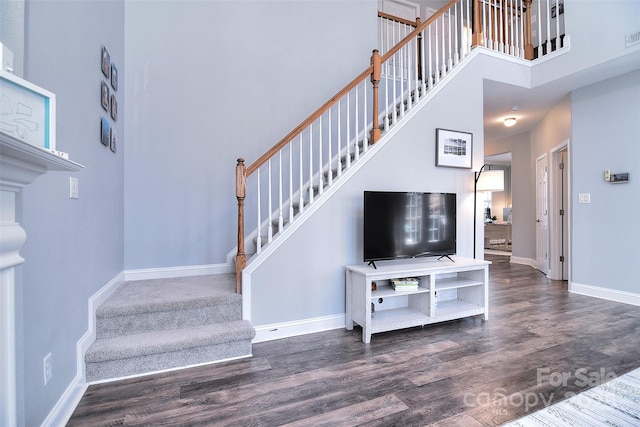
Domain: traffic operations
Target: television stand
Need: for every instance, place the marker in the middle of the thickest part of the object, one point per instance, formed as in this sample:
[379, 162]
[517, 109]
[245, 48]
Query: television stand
[373, 264]
[446, 256]
[446, 291]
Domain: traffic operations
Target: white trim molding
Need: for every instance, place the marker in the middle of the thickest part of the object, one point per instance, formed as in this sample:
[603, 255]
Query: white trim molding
[605, 293]
[525, 261]
[179, 271]
[299, 327]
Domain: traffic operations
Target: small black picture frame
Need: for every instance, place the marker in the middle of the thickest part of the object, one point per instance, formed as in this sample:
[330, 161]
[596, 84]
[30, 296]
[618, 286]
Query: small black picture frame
[106, 62]
[105, 132]
[114, 77]
[114, 108]
[104, 96]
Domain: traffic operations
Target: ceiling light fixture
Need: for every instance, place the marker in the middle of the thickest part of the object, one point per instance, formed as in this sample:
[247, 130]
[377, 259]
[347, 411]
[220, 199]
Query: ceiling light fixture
[510, 121]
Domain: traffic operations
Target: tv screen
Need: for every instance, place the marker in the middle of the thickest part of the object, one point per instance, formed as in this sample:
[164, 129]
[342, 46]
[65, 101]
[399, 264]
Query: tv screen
[407, 225]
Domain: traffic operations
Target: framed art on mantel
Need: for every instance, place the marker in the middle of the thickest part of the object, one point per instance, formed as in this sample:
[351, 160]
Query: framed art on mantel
[453, 148]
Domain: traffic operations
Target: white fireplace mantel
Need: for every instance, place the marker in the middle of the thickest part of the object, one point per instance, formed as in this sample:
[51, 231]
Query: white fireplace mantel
[20, 165]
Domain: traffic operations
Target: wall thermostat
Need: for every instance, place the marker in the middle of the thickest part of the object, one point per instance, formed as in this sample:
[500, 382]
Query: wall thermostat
[618, 178]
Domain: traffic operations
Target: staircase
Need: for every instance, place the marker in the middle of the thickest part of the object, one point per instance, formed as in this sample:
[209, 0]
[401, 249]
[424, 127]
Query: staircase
[154, 325]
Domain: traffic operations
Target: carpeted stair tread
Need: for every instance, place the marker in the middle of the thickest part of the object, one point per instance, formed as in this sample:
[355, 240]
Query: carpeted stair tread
[157, 295]
[156, 342]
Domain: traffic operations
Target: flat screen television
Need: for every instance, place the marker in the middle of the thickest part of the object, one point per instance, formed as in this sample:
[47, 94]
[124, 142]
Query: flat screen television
[400, 225]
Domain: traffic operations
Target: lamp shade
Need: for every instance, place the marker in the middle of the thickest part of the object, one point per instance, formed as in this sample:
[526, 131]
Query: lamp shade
[491, 180]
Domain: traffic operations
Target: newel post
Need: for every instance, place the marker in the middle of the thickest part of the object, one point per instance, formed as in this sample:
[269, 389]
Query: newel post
[528, 45]
[476, 38]
[241, 191]
[375, 80]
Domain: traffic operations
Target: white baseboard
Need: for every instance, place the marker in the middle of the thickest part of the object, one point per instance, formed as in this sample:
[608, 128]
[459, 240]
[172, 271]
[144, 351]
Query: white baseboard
[525, 261]
[605, 293]
[181, 271]
[67, 403]
[61, 413]
[301, 327]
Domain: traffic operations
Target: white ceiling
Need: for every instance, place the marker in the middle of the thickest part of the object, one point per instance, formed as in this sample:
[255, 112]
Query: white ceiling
[534, 104]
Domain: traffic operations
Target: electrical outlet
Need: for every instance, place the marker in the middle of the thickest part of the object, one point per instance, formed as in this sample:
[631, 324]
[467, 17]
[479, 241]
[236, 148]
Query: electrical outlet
[607, 175]
[48, 369]
[74, 190]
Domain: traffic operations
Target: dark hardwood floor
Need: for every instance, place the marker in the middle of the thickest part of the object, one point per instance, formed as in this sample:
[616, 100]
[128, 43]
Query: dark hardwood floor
[540, 344]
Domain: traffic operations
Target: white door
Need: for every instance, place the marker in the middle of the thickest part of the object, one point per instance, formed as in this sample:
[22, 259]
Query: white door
[542, 214]
[400, 8]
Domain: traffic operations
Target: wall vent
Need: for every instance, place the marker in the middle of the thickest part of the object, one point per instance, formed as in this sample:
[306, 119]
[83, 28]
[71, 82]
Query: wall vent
[632, 39]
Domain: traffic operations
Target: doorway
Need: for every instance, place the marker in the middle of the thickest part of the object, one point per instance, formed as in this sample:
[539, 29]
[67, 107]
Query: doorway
[497, 206]
[542, 214]
[559, 217]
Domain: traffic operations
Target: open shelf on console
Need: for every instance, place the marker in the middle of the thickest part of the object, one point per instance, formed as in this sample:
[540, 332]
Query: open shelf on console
[464, 281]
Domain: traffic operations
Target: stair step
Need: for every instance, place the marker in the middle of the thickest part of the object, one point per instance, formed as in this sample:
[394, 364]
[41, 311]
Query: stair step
[151, 305]
[154, 325]
[158, 350]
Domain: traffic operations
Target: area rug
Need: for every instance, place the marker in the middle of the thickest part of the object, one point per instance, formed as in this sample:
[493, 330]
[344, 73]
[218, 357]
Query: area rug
[614, 403]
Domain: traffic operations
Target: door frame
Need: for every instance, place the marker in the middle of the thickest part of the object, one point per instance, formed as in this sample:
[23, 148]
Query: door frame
[555, 224]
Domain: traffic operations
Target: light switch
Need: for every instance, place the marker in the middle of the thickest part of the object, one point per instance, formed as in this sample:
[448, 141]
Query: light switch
[584, 198]
[73, 187]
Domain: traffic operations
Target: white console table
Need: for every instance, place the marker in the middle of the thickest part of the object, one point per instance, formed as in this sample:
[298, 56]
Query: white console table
[448, 290]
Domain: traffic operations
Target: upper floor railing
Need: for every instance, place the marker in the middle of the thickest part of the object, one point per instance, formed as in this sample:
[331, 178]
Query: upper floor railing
[414, 57]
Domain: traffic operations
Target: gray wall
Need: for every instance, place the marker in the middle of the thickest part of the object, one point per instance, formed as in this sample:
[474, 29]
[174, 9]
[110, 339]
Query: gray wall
[305, 277]
[606, 232]
[212, 81]
[73, 247]
[197, 98]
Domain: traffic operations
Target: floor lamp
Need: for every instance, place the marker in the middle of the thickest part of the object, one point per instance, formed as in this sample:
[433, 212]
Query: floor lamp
[490, 180]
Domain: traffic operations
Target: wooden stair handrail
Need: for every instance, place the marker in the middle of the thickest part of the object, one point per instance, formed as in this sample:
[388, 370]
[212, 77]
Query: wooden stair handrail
[320, 111]
[397, 19]
[374, 71]
[324, 108]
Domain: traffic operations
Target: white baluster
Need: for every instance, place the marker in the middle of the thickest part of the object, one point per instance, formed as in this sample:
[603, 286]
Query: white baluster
[320, 165]
[348, 138]
[301, 190]
[311, 163]
[557, 25]
[484, 25]
[291, 181]
[449, 37]
[520, 30]
[457, 47]
[356, 123]
[269, 207]
[467, 48]
[444, 51]
[400, 56]
[430, 68]
[280, 207]
[437, 55]
[339, 131]
[386, 96]
[365, 136]
[259, 213]
[409, 54]
[330, 130]
[423, 63]
[548, 27]
[416, 66]
[395, 98]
